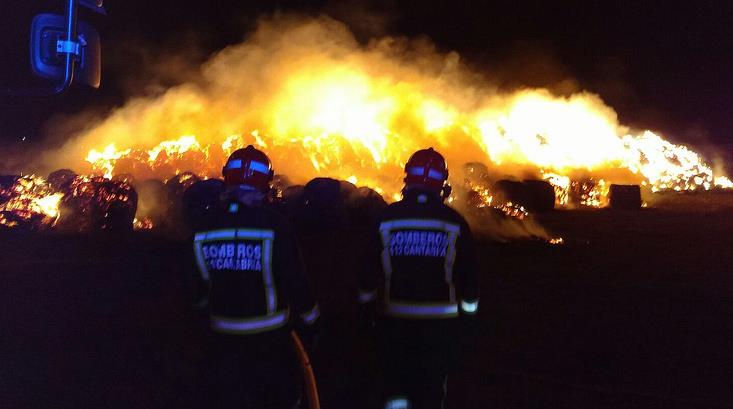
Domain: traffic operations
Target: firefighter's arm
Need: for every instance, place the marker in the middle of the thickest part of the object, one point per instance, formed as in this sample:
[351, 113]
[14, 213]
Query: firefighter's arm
[297, 284]
[370, 266]
[467, 272]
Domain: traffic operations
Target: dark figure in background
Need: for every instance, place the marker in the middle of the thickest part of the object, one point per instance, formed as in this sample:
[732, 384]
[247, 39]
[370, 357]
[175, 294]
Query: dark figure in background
[421, 273]
[252, 277]
[333, 220]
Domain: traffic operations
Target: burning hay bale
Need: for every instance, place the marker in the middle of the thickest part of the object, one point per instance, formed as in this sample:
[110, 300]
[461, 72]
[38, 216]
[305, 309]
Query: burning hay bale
[28, 202]
[95, 203]
[61, 179]
[174, 190]
[540, 196]
[625, 197]
[151, 209]
[511, 192]
[589, 193]
[535, 196]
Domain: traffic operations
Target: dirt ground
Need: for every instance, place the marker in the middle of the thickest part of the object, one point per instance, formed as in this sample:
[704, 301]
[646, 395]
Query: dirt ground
[635, 310]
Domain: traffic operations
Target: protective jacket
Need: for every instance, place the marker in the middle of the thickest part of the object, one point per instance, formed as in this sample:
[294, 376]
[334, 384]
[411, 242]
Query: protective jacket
[422, 264]
[248, 259]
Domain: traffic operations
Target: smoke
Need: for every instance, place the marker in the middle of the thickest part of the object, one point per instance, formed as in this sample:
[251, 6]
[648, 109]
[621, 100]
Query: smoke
[323, 103]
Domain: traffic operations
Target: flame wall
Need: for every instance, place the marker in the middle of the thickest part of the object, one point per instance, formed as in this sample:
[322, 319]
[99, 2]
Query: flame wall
[321, 104]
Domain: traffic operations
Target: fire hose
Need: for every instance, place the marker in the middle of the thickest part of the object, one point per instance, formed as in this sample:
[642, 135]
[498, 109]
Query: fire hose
[309, 378]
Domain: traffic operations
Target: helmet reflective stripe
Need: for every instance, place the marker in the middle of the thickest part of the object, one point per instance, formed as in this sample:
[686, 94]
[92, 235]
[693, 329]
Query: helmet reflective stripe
[434, 174]
[421, 310]
[469, 307]
[420, 171]
[249, 325]
[259, 167]
[311, 316]
[397, 403]
[234, 164]
[416, 171]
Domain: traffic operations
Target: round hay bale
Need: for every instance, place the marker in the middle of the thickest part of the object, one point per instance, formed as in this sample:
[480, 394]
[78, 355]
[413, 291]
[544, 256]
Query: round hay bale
[174, 188]
[95, 203]
[201, 200]
[323, 191]
[511, 191]
[541, 196]
[61, 179]
[366, 207]
[152, 201]
[625, 197]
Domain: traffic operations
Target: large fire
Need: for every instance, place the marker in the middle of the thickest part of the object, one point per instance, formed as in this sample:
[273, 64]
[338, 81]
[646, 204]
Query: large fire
[321, 104]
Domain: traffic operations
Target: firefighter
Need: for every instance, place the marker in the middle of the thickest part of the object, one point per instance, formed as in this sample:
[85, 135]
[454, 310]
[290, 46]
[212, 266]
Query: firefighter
[256, 290]
[421, 278]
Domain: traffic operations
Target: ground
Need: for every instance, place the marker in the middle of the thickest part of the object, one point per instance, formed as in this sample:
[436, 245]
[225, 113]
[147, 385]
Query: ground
[633, 311]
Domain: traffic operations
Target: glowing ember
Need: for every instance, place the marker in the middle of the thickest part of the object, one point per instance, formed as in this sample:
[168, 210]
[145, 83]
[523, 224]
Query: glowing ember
[96, 203]
[561, 185]
[590, 193]
[556, 241]
[29, 199]
[144, 224]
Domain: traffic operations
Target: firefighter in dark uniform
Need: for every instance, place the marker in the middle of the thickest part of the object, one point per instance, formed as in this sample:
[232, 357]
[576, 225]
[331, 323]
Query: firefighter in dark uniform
[256, 288]
[421, 275]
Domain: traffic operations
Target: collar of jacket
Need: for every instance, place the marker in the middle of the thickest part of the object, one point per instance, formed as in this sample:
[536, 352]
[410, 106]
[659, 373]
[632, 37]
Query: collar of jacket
[244, 195]
[420, 195]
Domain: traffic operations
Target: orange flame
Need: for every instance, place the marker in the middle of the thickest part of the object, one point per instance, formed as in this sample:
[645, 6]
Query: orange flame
[323, 105]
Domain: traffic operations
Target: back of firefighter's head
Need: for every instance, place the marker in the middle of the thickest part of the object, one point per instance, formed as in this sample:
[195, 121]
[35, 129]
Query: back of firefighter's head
[426, 170]
[248, 167]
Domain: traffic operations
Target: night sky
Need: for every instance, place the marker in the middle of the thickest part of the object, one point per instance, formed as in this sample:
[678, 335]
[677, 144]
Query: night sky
[660, 65]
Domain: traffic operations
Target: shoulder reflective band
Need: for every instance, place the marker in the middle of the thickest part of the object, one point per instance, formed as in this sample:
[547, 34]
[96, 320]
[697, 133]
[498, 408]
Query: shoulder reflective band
[224, 234]
[249, 325]
[216, 235]
[469, 307]
[234, 164]
[259, 167]
[311, 316]
[421, 310]
[397, 403]
[367, 296]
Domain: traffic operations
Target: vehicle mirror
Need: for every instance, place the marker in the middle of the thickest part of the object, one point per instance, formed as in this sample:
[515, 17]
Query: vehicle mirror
[48, 60]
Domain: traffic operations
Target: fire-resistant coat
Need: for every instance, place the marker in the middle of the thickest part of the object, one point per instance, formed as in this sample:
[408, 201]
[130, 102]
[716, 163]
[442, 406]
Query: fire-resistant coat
[422, 264]
[249, 259]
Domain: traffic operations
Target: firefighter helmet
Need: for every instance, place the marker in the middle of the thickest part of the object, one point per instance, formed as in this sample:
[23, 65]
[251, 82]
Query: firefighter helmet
[250, 167]
[427, 168]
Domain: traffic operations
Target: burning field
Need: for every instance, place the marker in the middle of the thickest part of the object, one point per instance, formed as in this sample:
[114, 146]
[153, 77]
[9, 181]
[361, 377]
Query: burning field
[321, 104]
